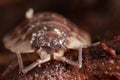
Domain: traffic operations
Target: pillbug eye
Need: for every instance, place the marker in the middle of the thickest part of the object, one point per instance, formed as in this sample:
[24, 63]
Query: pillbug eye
[37, 46]
[64, 43]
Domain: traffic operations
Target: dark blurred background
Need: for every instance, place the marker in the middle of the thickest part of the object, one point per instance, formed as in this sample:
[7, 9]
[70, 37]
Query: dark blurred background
[98, 17]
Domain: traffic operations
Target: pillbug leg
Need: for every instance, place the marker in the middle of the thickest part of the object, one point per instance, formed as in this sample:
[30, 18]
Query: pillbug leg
[64, 59]
[59, 57]
[14, 64]
[108, 50]
[44, 58]
[31, 66]
[20, 62]
[80, 53]
[34, 64]
[80, 57]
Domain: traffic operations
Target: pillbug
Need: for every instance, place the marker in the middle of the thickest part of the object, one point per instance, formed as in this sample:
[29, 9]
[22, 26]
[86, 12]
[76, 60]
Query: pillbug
[49, 35]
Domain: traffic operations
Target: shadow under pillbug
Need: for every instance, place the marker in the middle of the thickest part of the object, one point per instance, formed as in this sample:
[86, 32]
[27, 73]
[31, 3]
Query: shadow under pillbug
[46, 34]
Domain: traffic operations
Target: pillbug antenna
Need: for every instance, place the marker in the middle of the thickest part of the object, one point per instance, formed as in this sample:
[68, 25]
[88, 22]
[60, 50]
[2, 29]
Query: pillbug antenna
[94, 44]
[91, 45]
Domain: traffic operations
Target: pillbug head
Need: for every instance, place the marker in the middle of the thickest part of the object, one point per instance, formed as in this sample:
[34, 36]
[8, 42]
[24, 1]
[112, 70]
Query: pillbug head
[48, 35]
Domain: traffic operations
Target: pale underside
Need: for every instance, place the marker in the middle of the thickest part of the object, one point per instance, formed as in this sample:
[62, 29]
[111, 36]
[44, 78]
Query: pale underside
[21, 46]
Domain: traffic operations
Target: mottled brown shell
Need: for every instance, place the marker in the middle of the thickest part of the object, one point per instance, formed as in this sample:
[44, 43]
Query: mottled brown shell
[22, 38]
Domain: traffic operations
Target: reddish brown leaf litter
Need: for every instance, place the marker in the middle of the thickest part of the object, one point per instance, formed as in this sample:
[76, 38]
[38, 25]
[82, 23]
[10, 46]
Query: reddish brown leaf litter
[100, 65]
[52, 70]
[97, 65]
